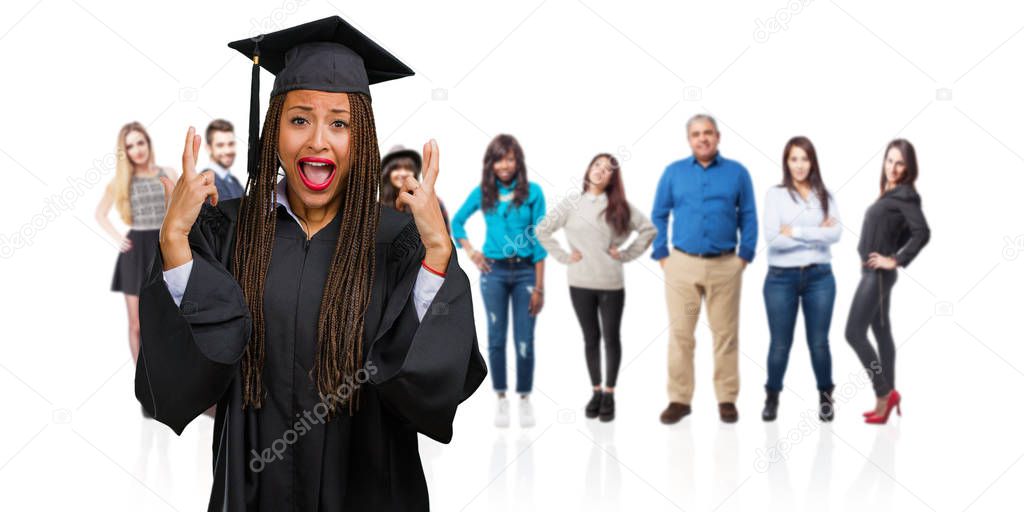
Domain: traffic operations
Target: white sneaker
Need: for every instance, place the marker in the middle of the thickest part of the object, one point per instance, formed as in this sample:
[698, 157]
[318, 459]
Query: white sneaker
[501, 416]
[526, 419]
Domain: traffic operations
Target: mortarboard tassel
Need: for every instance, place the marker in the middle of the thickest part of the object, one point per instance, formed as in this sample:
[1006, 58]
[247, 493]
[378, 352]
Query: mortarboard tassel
[254, 114]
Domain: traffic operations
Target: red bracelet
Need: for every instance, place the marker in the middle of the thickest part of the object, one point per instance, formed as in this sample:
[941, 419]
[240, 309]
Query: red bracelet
[432, 271]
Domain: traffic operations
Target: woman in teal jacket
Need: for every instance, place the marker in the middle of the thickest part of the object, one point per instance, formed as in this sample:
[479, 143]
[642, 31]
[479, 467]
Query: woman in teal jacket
[511, 265]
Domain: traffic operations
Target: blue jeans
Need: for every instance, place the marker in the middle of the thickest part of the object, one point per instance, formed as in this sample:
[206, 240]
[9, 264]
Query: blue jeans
[785, 288]
[507, 281]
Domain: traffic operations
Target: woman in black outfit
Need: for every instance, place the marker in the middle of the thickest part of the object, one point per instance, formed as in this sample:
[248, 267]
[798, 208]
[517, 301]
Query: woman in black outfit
[894, 231]
[330, 332]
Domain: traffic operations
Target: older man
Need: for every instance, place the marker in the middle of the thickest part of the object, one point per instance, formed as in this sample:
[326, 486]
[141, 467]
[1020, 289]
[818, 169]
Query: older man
[711, 203]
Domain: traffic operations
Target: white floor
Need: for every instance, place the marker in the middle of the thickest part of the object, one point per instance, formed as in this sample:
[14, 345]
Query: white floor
[957, 448]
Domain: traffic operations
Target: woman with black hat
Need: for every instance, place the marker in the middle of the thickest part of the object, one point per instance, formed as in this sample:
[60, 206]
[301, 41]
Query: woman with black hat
[327, 330]
[398, 164]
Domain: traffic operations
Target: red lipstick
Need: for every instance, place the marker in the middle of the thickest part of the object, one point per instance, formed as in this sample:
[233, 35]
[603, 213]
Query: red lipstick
[316, 173]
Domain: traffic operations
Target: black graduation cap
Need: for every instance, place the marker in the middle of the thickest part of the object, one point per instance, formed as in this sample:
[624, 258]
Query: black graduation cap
[325, 55]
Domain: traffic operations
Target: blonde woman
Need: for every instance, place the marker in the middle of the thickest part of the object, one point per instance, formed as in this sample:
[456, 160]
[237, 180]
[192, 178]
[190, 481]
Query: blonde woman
[138, 195]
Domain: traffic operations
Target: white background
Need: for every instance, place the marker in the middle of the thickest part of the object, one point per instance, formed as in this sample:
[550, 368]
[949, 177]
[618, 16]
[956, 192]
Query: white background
[569, 79]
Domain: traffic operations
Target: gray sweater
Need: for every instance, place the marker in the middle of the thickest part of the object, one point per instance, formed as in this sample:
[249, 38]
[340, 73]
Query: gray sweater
[589, 233]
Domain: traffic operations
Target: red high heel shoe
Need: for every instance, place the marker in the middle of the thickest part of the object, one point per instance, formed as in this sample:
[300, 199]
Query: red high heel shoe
[892, 403]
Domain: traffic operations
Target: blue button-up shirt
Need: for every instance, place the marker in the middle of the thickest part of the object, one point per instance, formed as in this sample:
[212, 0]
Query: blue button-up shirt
[510, 230]
[708, 205]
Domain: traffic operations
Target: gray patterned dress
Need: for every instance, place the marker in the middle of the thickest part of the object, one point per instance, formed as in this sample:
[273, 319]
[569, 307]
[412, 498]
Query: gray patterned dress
[148, 208]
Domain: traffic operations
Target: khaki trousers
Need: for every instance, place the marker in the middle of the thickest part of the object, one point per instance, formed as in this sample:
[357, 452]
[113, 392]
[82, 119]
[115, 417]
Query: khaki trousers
[688, 280]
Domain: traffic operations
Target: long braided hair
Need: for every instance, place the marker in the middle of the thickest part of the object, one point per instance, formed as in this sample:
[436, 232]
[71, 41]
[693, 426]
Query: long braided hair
[347, 290]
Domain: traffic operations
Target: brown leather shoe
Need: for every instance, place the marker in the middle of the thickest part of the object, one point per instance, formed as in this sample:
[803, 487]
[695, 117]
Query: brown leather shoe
[674, 412]
[727, 411]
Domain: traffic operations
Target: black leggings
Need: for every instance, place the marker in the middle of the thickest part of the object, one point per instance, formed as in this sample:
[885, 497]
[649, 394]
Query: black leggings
[589, 304]
[870, 308]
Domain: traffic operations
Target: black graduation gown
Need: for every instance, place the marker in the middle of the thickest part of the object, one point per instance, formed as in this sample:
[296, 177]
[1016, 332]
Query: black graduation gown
[284, 456]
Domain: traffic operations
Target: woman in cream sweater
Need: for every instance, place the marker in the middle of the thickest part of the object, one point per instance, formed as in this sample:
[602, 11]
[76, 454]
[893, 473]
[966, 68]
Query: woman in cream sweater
[597, 223]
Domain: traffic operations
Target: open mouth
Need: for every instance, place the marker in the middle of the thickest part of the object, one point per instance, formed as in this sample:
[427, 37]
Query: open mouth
[316, 173]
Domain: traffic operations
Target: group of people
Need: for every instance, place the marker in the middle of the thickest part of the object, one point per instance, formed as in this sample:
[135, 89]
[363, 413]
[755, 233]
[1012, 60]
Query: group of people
[321, 313]
[137, 192]
[709, 200]
[704, 230]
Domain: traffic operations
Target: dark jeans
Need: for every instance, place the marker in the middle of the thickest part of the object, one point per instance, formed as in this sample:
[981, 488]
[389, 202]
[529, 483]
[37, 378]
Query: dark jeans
[870, 308]
[505, 282]
[785, 289]
[597, 311]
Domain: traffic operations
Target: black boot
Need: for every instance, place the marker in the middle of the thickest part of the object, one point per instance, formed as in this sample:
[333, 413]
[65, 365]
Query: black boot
[607, 410]
[771, 406]
[594, 404]
[826, 406]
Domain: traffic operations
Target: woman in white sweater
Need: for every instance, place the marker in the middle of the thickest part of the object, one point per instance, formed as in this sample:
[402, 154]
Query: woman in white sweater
[596, 223]
[801, 222]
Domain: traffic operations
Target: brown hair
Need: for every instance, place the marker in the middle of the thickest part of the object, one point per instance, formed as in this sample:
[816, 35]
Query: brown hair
[813, 176]
[616, 214]
[497, 150]
[218, 125]
[347, 289]
[909, 160]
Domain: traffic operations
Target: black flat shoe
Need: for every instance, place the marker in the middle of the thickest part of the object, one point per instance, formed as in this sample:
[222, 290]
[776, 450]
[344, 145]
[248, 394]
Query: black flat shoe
[594, 405]
[607, 410]
[771, 406]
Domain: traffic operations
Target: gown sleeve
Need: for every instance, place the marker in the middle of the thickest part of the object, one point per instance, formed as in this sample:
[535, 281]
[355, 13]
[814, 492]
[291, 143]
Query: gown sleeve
[189, 353]
[423, 369]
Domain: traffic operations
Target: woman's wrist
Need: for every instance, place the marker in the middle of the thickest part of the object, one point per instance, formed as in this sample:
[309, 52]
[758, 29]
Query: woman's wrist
[175, 251]
[432, 270]
[436, 260]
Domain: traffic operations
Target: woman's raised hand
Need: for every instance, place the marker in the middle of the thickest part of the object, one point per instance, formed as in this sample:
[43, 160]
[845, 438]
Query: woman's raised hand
[186, 197]
[418, 198]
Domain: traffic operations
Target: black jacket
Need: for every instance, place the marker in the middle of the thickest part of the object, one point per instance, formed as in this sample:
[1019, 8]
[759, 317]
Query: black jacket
[894, 226]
